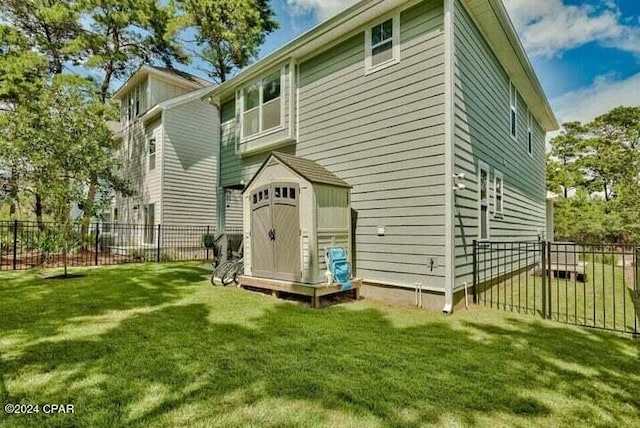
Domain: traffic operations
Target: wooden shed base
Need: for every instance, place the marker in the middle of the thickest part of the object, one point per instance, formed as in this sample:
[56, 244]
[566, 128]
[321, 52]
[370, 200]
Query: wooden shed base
[314, 291]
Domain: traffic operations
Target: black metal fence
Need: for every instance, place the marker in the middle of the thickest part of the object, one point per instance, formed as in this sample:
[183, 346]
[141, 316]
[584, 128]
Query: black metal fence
[582, 284]
[27, 245]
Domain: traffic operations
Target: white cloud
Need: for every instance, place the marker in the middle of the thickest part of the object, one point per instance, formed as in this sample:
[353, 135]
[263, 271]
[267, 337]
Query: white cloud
[603, 95]
[549, 27]
[322, 8]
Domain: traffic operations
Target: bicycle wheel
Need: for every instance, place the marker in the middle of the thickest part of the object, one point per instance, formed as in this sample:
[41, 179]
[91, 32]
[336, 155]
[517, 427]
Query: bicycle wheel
[220, 273]
[231, 275]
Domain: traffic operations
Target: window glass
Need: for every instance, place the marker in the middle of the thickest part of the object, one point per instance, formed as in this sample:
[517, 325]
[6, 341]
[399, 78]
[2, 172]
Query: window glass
[278, 192]
[152, 153]
[271, 114]
[292, 193]
[513, 119]
[251, 97]
[255, 198]
[499, 193]
[251, 123]
[382, 42]
[260, 196]
[266, 194]
[285, 192]
[484, 181]
[271, 87]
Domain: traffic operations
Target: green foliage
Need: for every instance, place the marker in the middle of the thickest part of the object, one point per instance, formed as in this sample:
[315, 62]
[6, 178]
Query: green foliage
[596, 167]
[228, 32]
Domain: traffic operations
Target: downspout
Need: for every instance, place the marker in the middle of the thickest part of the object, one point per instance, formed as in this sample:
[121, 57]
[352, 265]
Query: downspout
[449, 122]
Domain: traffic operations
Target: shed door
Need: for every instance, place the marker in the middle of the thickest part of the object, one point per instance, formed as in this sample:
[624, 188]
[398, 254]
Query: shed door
[286, 224]
[262, 255]
[275, 232]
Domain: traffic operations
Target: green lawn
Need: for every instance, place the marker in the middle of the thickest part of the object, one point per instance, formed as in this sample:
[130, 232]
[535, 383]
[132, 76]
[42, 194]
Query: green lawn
[606, 299]
[156, 345]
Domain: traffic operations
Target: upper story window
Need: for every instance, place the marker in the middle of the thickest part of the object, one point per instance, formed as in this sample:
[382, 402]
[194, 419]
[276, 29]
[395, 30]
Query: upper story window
[152, 153]
[262, 105]
[530, 133]
[498, 195]
[382, 44]
[483, 201]
[513, 110]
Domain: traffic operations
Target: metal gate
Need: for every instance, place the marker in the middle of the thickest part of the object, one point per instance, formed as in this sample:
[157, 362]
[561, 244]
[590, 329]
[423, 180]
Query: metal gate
[590, 285]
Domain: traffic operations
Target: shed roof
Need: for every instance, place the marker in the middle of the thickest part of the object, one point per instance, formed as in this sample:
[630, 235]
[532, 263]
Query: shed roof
[305, 168]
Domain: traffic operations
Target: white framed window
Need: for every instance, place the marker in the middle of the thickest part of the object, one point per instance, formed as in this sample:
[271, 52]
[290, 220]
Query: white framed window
[151, 151]
[262, 105]
[382, 44]
[498, 194]
[530, 133]
[513, 111]
[483, 201]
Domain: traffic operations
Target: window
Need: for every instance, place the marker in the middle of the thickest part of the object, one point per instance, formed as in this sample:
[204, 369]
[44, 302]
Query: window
[530, 133]
[498, 194]
[262, 105]
[513, 111]
[483, 202]
[383, 44]
[228, 111]
[152, 153]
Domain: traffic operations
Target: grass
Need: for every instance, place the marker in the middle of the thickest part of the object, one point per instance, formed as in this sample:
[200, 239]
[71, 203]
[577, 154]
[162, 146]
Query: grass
[156, 345]
[608, 298]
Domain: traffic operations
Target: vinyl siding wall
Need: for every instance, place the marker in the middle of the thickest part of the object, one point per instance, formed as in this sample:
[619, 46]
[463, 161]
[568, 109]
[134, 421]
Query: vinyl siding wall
[482, 133]
[383, 133]
[160, 90]
[190, 164]
[145, 183]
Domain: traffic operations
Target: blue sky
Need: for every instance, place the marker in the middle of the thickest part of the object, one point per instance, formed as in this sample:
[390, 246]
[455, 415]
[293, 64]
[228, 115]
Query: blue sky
[586, 52]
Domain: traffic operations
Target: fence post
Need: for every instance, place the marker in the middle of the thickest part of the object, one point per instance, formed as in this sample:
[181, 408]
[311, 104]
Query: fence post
[15, 244]
[207, 241]
[543, 248]
[549, 275]
[97, 247]
[159, 231]
[475, 272]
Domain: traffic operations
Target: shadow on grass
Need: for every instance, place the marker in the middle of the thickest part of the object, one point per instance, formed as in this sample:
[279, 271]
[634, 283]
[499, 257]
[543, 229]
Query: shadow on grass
[176, 365]
[28, 296]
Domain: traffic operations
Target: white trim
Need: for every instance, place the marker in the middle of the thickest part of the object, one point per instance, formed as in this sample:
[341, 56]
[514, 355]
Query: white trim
[529, 132]
[395, 40]
[483, 167]
[497, 175]
[449, 158]
[261, 104]
[513, 111]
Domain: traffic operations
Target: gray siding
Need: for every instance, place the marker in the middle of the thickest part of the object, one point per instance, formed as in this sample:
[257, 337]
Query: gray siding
[482, 134]
[233, 211]
[383, 133]
[190, 164]
[161, 90]
[145, 183]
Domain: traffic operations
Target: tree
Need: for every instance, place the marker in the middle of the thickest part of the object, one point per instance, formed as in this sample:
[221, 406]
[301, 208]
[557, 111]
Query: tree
[50, 26]
[563, 173]
[601, 162]
[120, 35]
[228, 32]
[59, 141]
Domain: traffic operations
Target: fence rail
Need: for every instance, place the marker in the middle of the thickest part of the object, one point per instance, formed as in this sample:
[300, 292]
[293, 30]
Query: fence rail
[591, 285]
[27, 245]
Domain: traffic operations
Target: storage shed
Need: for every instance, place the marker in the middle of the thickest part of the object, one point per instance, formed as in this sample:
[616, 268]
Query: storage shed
[293, 209]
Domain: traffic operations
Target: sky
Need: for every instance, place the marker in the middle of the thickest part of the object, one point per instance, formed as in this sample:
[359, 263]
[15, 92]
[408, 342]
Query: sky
[586, 52]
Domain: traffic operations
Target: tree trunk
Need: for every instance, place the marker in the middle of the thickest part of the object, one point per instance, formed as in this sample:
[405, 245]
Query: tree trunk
[38, 212]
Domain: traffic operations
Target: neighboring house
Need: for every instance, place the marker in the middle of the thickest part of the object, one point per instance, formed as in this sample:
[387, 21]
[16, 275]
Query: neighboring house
[429, 109]
[166, 150]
